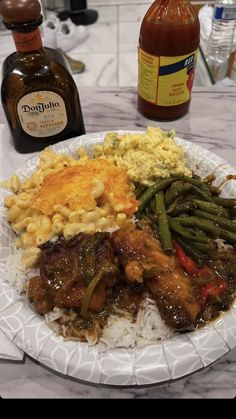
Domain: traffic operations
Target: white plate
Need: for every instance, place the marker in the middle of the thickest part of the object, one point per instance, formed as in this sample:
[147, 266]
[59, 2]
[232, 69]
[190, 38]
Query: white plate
[168, 360]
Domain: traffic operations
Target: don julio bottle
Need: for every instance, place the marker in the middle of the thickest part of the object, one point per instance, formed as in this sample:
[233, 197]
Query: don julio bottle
[39, 96]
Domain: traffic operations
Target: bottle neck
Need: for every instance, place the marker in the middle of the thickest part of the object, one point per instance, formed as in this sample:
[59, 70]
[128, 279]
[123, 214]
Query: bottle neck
[174, 12]
[27, 36]
[28, 41]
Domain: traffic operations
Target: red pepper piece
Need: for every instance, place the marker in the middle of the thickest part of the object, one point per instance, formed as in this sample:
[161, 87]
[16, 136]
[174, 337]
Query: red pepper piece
[213, 290]
[185, 261]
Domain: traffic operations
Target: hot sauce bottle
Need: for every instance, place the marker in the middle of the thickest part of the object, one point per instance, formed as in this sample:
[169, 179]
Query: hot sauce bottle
[167, 54]
[39, 96]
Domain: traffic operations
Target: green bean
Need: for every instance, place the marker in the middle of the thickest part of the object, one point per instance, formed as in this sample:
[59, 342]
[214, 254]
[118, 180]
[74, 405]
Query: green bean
[225, 202]
[198, 187]
[204, 195]
[177, 188]
[211, 207]
[152, 190]
[198, 232]
[227, 236]
[233, 212]
[164, 231]
[202, 223]
[139, 190]
[210, 248]
[197, 256]
[90, 289]
[226, 224]
[181, 208]
[207, 185]
[88, 244]
[197, 182]
[208, 226]
[178, 201]
[148, 212]
[178, 228]
[153, 205]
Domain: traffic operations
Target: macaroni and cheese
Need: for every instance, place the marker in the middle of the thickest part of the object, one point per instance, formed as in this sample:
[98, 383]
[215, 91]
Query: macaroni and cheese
[68, 196]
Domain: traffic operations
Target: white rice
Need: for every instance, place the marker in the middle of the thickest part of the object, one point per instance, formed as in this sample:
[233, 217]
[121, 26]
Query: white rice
[54, 315]
[14, 273]
[122, 332]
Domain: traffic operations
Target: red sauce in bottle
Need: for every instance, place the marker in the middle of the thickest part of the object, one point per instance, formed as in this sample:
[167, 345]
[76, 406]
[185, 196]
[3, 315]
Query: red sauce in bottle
[168, 48]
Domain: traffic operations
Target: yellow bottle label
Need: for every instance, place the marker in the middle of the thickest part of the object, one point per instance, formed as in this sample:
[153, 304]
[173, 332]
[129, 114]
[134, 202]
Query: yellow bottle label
[166, 81]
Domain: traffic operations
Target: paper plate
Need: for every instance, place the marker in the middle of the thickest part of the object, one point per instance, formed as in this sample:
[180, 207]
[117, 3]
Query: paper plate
[167, 360]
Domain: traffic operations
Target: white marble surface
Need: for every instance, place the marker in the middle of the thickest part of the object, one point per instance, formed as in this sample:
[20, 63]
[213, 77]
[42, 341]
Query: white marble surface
[210, 123]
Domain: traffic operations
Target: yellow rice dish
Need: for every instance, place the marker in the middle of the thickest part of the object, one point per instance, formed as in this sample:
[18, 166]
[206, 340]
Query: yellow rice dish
[147, 156]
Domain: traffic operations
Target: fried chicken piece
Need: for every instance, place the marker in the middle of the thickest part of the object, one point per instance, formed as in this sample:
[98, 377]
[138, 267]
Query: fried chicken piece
[143, 260]
[39, 296]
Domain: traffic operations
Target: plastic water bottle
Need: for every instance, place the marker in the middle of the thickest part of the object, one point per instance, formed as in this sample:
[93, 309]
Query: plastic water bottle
[221, 39]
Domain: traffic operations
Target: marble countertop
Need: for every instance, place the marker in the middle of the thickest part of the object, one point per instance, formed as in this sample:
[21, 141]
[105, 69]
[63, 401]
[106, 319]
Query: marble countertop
[210, 123]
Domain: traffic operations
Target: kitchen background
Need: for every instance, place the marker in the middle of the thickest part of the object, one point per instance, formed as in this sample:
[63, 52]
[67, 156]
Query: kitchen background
[110, 51]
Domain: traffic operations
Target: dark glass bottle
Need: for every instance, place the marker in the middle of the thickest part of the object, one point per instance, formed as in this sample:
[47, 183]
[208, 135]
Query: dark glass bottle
[39, 95]
[168, 48]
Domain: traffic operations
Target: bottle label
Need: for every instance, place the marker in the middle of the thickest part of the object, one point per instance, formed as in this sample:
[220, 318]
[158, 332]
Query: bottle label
[29, 41]
[42, 114]
[166, 81]
[225, 13]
